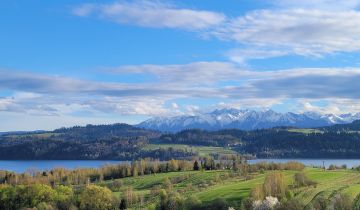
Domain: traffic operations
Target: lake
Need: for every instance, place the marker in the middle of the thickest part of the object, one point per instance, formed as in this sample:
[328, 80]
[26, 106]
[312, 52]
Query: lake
[21, 166]
[314, 162]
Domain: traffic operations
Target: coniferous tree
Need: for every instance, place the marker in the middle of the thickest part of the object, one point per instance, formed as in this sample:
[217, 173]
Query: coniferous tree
[196, 166]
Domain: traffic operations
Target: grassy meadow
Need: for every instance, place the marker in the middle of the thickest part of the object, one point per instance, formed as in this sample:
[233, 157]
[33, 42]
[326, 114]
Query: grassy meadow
[210, 185]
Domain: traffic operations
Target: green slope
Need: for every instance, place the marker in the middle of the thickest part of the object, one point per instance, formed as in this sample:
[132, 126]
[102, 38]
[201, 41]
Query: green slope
[210, 185]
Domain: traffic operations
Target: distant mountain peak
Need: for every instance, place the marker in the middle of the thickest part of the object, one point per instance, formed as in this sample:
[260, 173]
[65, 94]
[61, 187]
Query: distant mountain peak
[245, 119]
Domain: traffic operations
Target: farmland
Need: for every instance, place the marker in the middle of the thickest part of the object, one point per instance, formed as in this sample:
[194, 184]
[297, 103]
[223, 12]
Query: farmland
[211, 185]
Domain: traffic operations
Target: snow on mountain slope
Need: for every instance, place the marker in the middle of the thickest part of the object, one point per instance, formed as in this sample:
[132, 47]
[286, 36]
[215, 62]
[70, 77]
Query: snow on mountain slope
[245, 120]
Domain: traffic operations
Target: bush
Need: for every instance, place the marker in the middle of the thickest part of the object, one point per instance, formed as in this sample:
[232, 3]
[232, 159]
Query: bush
[247, 204]
[301, 180]
[274, 185]
[96, 198]
[115, 186]
[342, 202]
[218, 204]
[320, 203]
[257, 193]
[172, 201]
[64, 197]
[292, 204]
[356, 204]
[35, 194]
[268, 204]
[192, 203]
[45, 206]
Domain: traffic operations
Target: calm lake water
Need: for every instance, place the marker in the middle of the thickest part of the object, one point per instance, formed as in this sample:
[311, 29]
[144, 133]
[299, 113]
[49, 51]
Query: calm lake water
[21, 166]
[315, 162]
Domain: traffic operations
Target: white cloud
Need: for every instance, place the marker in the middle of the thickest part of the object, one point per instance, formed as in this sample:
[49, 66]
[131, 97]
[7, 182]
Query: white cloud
[313, 28]
[318, 4]
[83, 10]
[294, 31]
[308, 106]
[242, 55]
[151, 14]
[328, 106]
[130, 105]
[198, 73]
[192, 109]
[62, 96]
[12, 121]
[174, 105]
[250, 103]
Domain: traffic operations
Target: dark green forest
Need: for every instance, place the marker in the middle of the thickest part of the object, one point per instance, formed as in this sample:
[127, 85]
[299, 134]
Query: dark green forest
[125, 142]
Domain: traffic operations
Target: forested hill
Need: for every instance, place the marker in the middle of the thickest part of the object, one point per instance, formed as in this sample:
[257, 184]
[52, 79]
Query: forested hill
[352, 127]
[125, 142]
[338, 141]
[104, 132]
[117, 141]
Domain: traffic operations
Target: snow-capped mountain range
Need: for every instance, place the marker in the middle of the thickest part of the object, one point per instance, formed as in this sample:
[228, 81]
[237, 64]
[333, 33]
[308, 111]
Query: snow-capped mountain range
[245, 120]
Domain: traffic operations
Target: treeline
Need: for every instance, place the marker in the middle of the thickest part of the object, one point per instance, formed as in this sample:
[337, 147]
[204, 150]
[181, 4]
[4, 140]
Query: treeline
[351, 127]
[102, 142]
[141, 167]
[199, 137]
[103, 132]
[125, 142]
[90, 189]
[82, 176]
[274, 143]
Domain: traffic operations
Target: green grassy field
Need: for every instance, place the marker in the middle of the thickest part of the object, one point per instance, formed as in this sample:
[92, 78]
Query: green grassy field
[305, 131]
[202, 150]
[209, 185]
[37, 135]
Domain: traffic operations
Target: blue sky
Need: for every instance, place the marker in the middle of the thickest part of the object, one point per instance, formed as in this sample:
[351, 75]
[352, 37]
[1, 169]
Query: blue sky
[65, 63]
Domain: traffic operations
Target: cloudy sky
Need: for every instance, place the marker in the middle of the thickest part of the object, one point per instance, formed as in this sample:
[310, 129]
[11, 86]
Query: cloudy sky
[75, 62]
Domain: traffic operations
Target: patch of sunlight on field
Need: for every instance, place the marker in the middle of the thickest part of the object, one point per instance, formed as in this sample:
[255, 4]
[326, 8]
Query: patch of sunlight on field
[305, 131]
[202, 150]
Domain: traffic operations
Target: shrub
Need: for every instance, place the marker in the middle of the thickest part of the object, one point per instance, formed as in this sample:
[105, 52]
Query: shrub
[123, 204]
[268, 204]
[342, 202]
[45, 206]
[64, 197]
[292, 165]
[192, 203]
[115, 186]
[247, 204]
[257, 193]
[320, 203]
[218, 204]
[172, 201]
[167, 184]
[291, 204]
[302, 180]
[35, 194]
[356, 204]
[96, 198]
[274, 185]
